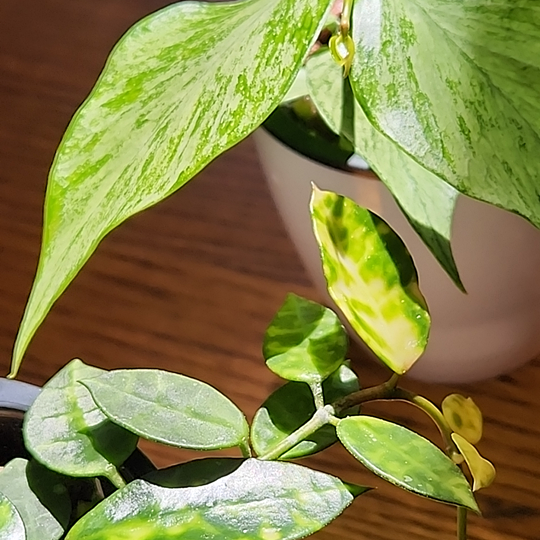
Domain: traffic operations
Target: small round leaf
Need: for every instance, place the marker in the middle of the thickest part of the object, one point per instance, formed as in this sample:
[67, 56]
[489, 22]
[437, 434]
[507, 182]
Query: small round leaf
[405, 459]
[463, 416]
[169, 408]
[305, 341]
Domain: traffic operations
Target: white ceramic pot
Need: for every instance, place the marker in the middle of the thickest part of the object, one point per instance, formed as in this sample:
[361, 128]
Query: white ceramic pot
[492, 329]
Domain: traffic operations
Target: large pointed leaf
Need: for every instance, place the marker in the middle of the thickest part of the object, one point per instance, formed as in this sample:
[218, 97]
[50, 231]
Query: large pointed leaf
[457, 85]
[291, 406]
[305, 341]
[11, 523]
[65, 430]
[169, 408]
[371, 278]
[182, 86]
[427, 201]
[40, 497]
[259, 500]
[405, 459]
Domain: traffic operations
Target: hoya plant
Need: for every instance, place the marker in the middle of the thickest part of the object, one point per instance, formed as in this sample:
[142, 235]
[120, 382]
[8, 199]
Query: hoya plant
[440, 97]
[80, 483]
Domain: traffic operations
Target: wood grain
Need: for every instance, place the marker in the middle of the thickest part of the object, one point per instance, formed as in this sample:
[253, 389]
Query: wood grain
[191, 284]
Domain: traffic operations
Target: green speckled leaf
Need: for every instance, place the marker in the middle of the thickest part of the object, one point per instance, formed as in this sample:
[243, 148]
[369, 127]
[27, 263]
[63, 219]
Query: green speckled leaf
[405, 459]
[305, 341]
[65, 430]
[169, 408]
[11, 523]
[181, 87]
[463, 416]
[259, 500]
[457, 85]
[40, 497]
[371, 278]
[427, 201]
[291, 406]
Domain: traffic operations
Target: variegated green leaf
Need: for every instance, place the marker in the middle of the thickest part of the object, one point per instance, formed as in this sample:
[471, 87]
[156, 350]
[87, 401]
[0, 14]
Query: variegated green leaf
[457, 86]
[371, 278]
[65, 430]
[169, 408]
[463, 416]
[230, 500]
[482, 470]
[11, 523]
[405, 459]
[40, 497]
[427, 201]
[291, 406]
[182, 86]
[305, 341]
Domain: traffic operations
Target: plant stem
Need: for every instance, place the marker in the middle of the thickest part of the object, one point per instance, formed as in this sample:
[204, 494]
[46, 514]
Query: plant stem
[345, 20]
[318, 420]
[385, 390]
[245, 449]
[116, 478]
[318, 396]
[461, 523]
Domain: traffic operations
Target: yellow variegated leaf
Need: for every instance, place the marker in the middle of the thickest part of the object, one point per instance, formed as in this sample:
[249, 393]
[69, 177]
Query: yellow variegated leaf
[482, 470]
[463, 416]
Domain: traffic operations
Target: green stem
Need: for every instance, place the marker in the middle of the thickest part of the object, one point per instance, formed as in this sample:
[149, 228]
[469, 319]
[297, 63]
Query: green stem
[116, 478]
[345, 20]
[461, 523]
[318, 396]
[245, 449]
[317, 421]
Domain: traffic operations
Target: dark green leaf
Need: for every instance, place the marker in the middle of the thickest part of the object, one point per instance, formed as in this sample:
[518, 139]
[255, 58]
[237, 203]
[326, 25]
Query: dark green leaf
[259, 500]
[427, 201]
[40, 497]
[181, 87]
[405, 459]
[290, 407]
[305, 341]
[11, 523]
[65, 430]
[169, 408]
[457, 86]
[372, 279]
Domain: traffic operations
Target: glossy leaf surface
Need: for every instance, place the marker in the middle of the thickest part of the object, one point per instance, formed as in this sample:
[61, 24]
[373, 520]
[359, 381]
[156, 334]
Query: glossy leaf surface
[169, 408]
[427, 201]
[182, 86]
[260, 500]
[463, 416]
[405, 459]
[482, 470]
[40, 497]
[305, 341]
[457, 85]
[65, 430]
[11, 523]
[371, 278]
[290, 407]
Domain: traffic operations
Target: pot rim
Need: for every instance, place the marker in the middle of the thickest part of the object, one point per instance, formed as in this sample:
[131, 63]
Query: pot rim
[18, 395]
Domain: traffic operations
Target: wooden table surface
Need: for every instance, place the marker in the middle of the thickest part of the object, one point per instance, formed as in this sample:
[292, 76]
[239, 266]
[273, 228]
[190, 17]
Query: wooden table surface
[191, 284]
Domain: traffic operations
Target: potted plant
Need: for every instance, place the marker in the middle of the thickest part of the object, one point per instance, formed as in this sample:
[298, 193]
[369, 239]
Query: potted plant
[77, 480]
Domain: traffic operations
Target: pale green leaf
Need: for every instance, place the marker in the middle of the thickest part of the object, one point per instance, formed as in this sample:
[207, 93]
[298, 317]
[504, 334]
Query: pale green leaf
[169, 408]
[40, 497]
[457, 86]
[65, 430]
[291, 406]
[181, 87]
[427, 201]
[11, 523]
[305, 341]
[482, 470]
[230, 500]
[372, 279]
[463, 416]
[405, 459]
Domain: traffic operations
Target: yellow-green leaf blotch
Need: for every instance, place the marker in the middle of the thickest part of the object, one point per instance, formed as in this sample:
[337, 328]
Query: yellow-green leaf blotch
[463, 416]
[482, 470]
[372, 279]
